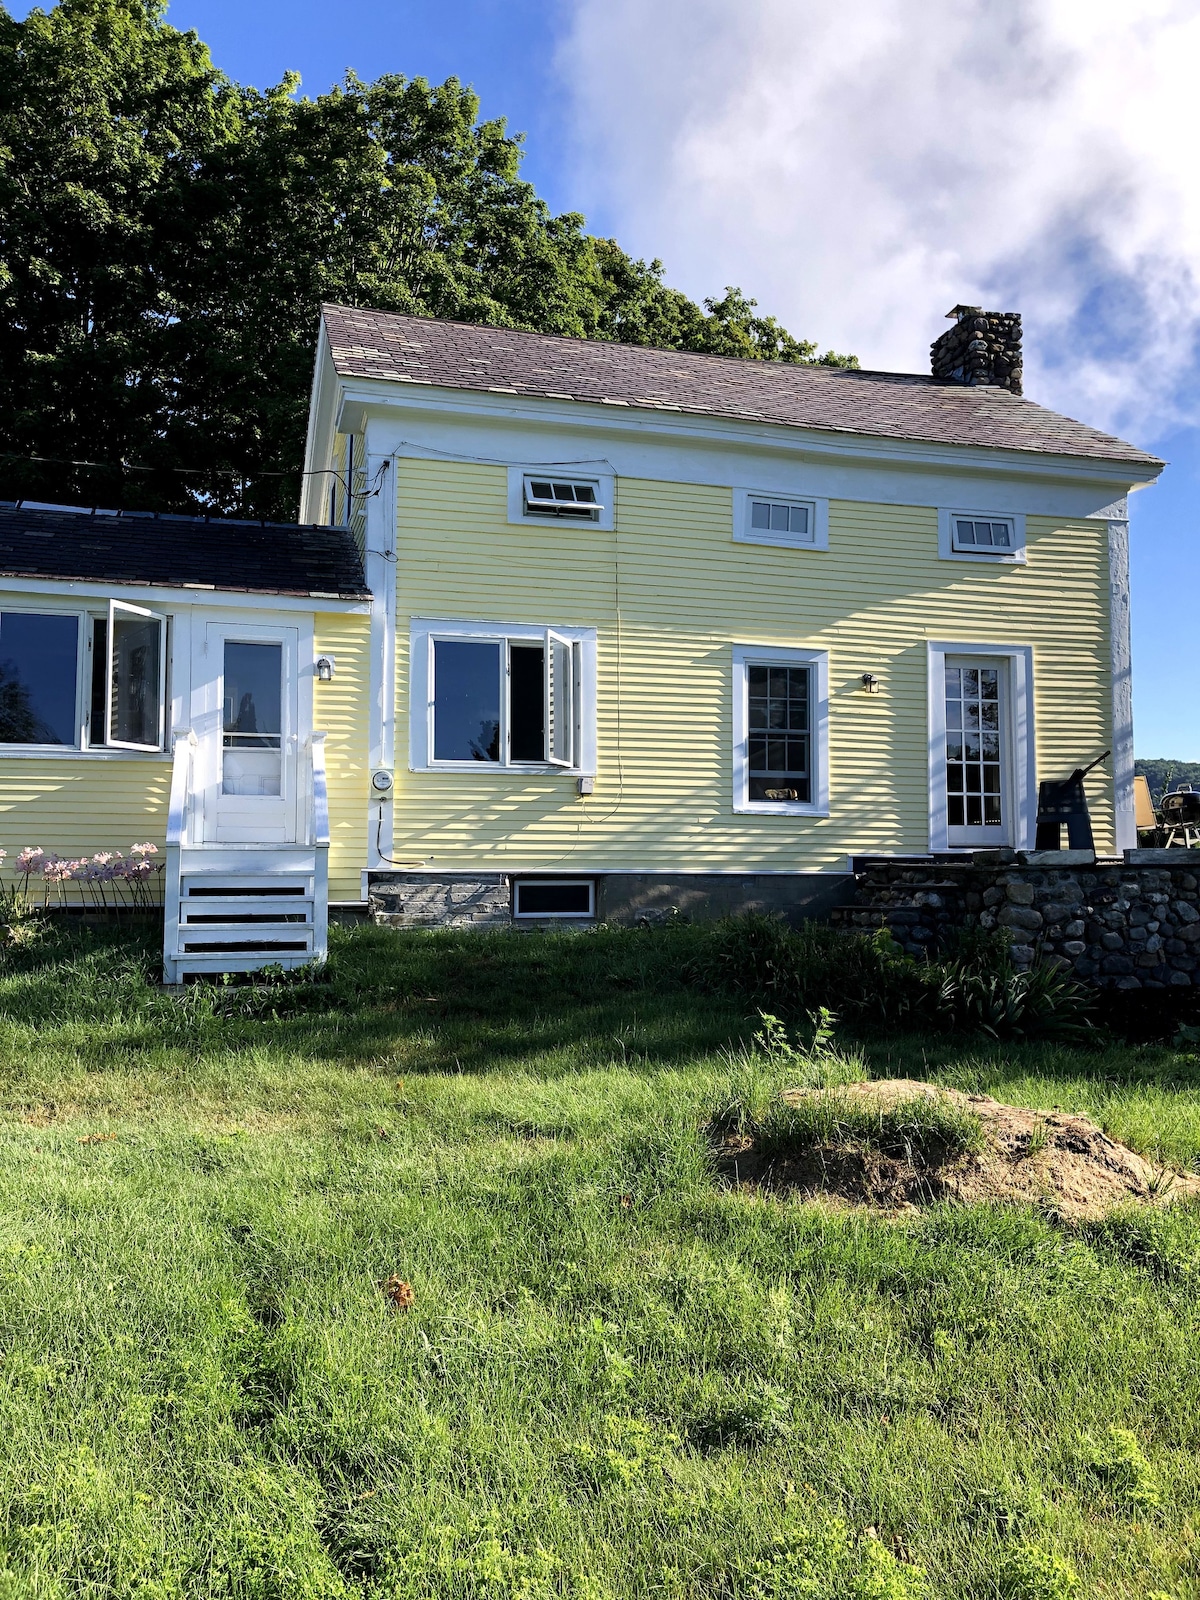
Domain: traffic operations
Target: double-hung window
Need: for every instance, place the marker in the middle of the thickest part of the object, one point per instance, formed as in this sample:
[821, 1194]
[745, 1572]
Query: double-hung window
[493, 696]
[73, 680]
[780, 730]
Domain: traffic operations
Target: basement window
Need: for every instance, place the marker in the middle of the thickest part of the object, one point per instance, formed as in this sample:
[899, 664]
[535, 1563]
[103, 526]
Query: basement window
[554, 897]
[562, 498]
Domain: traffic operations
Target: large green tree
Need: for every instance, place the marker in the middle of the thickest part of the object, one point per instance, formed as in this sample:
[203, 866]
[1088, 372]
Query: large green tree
[166, 237]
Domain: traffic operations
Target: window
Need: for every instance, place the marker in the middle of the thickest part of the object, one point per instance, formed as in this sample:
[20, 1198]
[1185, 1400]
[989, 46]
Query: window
[562, 496]
[558, 497]
[39, 678]
[780, 737]
[252, 718]
[972, 533]
[974, 752]
[496, 696]
[76, 681]
[981, 536]
[554, 897]
[136, 672]
[761, 517]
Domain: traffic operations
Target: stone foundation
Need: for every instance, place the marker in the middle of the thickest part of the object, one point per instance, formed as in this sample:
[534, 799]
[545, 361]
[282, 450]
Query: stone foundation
[1117, 924]
[484, 899]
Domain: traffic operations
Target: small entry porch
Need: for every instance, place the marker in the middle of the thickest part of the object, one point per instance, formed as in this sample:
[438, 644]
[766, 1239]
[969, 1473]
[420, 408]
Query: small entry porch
[247, 848]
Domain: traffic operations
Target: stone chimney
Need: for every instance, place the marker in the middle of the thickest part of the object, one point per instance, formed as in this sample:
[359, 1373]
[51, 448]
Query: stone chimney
[981, 347]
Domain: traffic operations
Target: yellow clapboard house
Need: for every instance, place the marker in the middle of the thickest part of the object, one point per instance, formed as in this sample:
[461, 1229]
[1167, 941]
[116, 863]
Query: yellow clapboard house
[572, 629]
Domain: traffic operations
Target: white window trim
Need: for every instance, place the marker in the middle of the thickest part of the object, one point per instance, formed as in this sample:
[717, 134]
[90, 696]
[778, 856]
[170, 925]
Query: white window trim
[818, 660]
[422, 633]
[1020, 732]
[86, 613]
[947, 552]
[818, 512]
[555, 916]
[599, 473]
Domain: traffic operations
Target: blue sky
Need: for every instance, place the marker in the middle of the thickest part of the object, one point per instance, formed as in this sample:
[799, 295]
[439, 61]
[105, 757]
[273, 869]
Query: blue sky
[1033, 156]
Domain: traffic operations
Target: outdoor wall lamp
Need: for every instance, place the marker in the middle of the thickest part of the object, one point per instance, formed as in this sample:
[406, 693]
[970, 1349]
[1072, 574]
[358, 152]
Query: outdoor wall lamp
[870, 683]
[325, 665]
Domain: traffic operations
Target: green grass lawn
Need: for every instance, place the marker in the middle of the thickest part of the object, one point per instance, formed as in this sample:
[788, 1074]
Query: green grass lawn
[616, 1379]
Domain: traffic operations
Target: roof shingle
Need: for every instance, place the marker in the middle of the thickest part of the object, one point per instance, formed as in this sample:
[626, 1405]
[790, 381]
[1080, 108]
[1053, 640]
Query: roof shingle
[892, 405]
[165, 551]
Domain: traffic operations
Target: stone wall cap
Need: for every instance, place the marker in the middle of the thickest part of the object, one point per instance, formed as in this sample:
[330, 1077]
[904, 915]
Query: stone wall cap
[1175, 857]
[1057, 858]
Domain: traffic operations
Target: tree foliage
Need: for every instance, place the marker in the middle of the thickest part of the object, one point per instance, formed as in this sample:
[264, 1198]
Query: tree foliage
[167, 236]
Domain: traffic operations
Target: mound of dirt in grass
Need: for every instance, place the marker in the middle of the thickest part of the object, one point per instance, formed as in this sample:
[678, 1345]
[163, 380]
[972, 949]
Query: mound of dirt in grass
[1059, 1161]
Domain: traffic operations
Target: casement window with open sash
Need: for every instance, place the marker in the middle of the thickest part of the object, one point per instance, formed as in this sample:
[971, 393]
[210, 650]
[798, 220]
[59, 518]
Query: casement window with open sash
[509, 701]
[75, 680]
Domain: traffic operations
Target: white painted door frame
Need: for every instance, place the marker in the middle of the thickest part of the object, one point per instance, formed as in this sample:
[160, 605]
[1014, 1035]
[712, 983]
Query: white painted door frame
[1019, 739]
[249, 819]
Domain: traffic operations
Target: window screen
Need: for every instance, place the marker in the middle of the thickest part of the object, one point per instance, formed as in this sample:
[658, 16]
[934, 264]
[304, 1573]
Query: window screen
[39, 678]
[548, 898]
[779, 720]
[972, 533]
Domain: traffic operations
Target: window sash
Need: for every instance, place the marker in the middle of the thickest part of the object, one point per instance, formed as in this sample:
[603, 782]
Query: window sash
[121, 616]
[575, 507]
[559, 665]
[977, 535]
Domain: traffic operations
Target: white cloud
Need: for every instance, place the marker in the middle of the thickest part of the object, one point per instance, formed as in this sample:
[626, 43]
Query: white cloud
[860, 167]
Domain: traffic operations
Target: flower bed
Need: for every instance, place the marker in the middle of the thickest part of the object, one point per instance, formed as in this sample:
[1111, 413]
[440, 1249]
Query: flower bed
[107, 881]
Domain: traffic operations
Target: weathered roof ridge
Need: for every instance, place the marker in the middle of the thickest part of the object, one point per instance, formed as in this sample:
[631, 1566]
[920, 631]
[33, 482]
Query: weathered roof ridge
[897, 405]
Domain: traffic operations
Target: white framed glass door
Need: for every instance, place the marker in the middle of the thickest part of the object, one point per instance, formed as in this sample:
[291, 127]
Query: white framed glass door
[978, 764]
[249, 733]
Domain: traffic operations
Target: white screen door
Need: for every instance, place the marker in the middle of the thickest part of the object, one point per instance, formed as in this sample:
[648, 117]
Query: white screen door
[249, 734]
[978, 752]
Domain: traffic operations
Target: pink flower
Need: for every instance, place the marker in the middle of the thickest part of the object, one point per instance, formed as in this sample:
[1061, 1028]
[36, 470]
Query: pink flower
[143, 849]
[31, 859]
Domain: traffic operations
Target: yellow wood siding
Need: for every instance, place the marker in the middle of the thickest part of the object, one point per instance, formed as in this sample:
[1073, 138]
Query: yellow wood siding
[77, 806]
[341, 710]
[349, 507]
[685, 593]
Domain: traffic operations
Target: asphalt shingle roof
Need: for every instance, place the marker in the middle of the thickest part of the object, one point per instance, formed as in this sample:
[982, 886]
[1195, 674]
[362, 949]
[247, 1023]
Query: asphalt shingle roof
[892, 405]
[222, 553]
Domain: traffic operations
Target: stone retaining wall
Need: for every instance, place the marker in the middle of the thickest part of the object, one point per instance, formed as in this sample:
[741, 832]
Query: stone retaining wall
[1120, 924]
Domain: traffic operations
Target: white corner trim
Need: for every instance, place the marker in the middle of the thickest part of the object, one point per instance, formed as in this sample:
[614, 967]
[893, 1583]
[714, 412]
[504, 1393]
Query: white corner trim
[818, 660]
[422, 633]
[818, 519]
[599, 473]
[1014, 557]
[1021, 733]
[379, 560]
[1122, 686]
